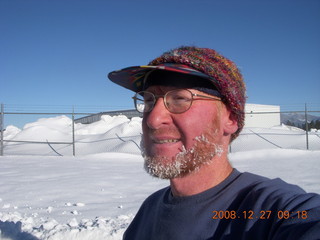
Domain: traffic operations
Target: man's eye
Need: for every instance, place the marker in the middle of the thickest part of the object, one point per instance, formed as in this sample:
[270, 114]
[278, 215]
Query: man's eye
[180, 99]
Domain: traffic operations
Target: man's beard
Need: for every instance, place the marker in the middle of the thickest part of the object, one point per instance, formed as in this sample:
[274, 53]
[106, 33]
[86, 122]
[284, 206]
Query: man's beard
[185, 162]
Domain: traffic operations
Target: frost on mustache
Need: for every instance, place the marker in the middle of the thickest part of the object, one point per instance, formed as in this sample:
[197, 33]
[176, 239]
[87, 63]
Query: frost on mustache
[185, 162]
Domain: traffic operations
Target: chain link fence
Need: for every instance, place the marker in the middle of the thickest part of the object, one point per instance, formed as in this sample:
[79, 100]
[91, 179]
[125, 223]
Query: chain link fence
[59, 133]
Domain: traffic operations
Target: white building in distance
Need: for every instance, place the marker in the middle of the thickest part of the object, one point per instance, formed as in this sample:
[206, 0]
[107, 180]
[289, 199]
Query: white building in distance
[264, 116]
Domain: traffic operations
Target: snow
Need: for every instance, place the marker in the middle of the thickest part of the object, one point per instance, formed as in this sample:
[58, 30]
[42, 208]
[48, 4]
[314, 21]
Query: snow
[95, 195]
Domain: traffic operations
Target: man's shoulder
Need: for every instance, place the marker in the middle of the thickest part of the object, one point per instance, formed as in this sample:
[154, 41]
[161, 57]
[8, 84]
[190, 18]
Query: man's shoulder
[264, 191]
[258, 183]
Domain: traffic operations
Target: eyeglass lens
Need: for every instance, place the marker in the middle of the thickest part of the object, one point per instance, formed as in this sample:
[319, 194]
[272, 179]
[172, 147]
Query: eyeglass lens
[176, 101]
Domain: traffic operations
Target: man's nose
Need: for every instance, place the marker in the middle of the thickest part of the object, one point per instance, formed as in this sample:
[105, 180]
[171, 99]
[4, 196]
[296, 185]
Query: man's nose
[158, 116]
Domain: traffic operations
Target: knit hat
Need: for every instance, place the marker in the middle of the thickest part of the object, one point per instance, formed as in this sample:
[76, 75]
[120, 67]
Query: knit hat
[202, 62]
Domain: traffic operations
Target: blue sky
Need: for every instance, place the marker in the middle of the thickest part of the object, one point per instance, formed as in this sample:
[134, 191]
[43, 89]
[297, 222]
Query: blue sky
[58, 52]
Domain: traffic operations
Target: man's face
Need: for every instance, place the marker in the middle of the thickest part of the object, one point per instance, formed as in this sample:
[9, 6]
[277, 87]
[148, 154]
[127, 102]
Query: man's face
[177, 144]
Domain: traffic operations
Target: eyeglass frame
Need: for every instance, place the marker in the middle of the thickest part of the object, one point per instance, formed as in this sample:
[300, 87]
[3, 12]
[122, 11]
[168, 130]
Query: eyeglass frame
[164, 96]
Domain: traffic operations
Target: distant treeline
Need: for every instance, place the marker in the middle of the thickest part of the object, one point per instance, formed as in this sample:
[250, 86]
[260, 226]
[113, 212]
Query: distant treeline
[313, 124]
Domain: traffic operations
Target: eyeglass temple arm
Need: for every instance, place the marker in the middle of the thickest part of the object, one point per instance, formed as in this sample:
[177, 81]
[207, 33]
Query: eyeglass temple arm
[208, 97]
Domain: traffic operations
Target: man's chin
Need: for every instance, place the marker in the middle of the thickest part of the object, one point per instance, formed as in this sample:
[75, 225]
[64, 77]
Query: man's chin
[169, 167]
[173, 165]
[161, 167]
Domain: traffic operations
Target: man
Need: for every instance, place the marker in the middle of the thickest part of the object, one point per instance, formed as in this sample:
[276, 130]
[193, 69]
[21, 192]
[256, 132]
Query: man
[192, 101]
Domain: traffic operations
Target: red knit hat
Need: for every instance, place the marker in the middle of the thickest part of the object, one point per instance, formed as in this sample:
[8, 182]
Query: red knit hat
[202, 62]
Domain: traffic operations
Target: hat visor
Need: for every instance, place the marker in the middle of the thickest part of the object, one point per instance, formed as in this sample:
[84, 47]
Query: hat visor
[132, 77]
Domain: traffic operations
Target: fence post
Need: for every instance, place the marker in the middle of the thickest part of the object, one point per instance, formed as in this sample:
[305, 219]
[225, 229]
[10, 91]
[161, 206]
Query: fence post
[73, 137]
[1, 129]
[306, 123]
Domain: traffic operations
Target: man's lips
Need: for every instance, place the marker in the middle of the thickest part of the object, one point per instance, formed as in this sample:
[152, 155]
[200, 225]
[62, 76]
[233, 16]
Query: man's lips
[163, 139]
[164, 136]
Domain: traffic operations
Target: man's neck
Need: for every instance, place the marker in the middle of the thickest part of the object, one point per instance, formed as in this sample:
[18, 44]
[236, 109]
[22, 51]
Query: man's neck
[205, 178]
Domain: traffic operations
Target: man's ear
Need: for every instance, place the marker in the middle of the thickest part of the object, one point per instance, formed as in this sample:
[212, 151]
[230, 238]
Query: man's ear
[230, 124]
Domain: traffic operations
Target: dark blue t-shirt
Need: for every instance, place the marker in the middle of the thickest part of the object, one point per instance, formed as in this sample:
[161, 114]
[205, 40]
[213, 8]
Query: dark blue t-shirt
[244, 206]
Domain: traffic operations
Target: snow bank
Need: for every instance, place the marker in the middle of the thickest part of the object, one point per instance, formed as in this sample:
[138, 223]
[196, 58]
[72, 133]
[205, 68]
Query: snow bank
[120, 134]
[110, 134]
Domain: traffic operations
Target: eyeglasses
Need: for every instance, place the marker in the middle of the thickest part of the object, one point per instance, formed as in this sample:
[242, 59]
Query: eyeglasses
[176, 101]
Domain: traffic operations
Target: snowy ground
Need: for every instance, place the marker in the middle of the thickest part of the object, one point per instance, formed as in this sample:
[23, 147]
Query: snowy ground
[96, 194]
